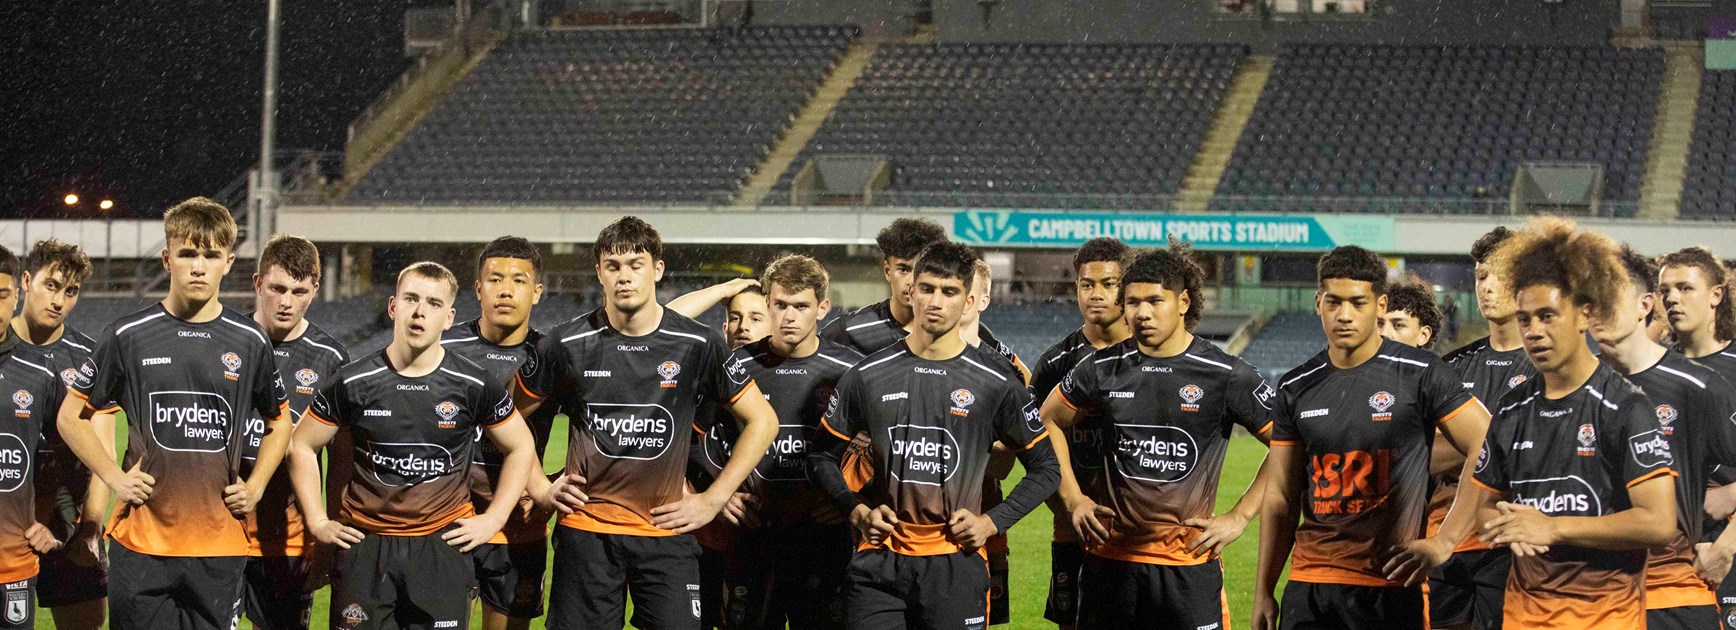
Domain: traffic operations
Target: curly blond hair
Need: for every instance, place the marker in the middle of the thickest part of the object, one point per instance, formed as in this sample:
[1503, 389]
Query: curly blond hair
[1554, 252]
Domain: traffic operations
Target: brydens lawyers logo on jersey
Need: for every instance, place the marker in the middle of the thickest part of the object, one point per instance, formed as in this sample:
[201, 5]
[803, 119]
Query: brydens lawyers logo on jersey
[195, 422]
[631, 431]
[1587, 440]
[23, 399]
[232, 366]
[409, 463]
[1651, 449]
[922, 455]
[1190, 397]
[1667, 419]
[1382, 403]
[1159, 454]
[668, 370]
[14, 462]
[306, 378]
[962, 399]
[447, 410]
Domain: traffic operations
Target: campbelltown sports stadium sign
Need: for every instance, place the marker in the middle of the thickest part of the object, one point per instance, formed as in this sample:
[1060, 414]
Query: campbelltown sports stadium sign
[1204, 231]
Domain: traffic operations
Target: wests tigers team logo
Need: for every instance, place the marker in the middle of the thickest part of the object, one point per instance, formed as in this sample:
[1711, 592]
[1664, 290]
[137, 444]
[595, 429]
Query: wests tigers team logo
[1667, 419]
[1587, 440]
[668, 370]
[962, 399]
[231, 366]
[447, 411]
[1382, 403]
[1190, 397]
[23, 399]
[306, 378]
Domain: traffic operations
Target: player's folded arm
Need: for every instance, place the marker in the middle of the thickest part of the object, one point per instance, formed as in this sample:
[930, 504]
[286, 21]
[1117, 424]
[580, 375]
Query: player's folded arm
[1042, 477]
[826, 470]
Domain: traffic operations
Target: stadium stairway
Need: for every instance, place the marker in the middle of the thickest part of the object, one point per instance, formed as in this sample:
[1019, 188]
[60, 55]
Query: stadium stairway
[1673, 131]
[1214, 154]
[806, 123]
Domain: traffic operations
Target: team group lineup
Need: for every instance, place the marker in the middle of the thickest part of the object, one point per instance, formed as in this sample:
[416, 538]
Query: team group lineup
[1573, 469]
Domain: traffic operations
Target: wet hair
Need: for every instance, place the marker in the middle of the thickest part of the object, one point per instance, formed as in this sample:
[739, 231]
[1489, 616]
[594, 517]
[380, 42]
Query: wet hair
[629, 235]
[1100, 249]
[295, 255]
[432, 271]
[949, 260]
[1350, 262]
[59, 256]
[1641, 271]
[796, 273]
[1724, 318]
[907, 237]
[1488, 242]
[1553, 252]
[201, 221]
[1416, 297]
[1174, 268]
[511, 247]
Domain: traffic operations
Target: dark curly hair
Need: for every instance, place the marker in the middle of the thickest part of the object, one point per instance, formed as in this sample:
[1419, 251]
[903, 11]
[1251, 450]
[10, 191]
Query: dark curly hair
[1553, 252]
[1487, 243]
[1100, 249]
[1173, 268]
[1414, 296]
[1724, 319]
[906, 237]
[1350, 262]
[949, 260]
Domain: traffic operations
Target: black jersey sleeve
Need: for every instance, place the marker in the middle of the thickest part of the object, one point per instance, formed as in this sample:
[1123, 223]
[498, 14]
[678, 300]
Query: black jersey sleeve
[1720, 408]
[270, 398]
[1444, 395]
[1490, 471]
[838, 427]
[1018, 422]
[102, 378]
[1283, 419]
[1639, 436]
[1045, 377]
[498, 402]
[1079, 387]
[727, 375]
[547, 370]
[1250, 399]
[327, 405]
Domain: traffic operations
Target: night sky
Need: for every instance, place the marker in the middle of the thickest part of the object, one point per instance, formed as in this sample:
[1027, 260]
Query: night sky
[152, 101]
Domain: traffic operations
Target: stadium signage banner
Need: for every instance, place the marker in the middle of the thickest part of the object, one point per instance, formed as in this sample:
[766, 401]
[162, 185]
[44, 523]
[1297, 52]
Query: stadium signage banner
[1205, 231]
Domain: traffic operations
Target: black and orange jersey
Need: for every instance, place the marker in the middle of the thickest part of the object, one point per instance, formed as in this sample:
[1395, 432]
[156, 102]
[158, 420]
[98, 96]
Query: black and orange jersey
[275, 526]
[1696, 411]
[1365, 432]
[633, 403]
[35, 394]
[931, 426]
[186, 388]
[799, 389]
[1575, 456]
[1168, 424]
[1488, 374]
[1085, 437]
[502, 363]
[414, 440]
[58, 468]
[865, 330]
[1724, 363]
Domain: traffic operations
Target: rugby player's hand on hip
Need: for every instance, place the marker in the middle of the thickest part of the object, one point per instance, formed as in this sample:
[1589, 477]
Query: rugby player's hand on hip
[472, 532]
[741, 510]
[1411, 562]
[1721, 502]
[41, 540]
[565, 495]
[1088, 517]
[85, 548]
[1526, 531]
[241, 498]
[873, 525]
[971, 530]
[132, 487]
[334, 533]
[692, 512]
[1216, 533]
[1712, 562]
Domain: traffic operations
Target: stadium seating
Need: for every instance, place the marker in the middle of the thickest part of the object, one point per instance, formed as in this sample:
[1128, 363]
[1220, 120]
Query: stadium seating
[1019, 125]
[1709, 192]
[1434, 124]
[1288, 340]
[658, 115]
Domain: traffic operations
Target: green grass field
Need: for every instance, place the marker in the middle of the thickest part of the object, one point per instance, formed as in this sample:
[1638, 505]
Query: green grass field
[1029, 541]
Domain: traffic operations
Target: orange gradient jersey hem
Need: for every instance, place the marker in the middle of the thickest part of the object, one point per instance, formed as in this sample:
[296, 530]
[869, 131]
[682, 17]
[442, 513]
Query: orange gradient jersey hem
[910, 539]
[604, 518]
[1524, 610]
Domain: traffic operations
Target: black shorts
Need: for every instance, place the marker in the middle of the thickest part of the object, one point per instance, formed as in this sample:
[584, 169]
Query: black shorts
[1119, 594]
[1065, 562]
[1470, 589]
[402, 582]
[1311, 606]
[169, 592]
[594, 572]
[889, 591]
[65, 583]
[509, 578]
[790, 576]
[1682, 618]
[275, 595]
[20, 613]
